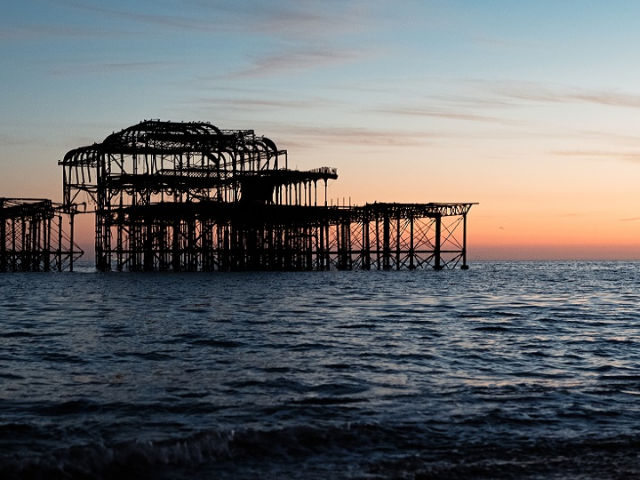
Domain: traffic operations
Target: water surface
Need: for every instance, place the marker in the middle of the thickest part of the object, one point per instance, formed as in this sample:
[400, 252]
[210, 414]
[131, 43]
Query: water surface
[507, 370]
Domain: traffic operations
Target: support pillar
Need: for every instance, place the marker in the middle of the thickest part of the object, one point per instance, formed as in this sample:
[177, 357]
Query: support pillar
[464, 243]
[366, 245]
[3, 245]
[398, 249]
[71, 233]
[59, 251]
[386, 242]
[411, 245]
[437, 264]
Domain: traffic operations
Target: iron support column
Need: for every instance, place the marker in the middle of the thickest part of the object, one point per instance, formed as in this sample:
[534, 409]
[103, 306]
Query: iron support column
[386, 242]
[437, 265]
[411, 245]
[71, 228]
[464, 242]
[3, 245]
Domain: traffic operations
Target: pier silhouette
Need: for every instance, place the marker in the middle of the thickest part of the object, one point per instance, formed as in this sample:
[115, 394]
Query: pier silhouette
[188, 196]
[34, 237]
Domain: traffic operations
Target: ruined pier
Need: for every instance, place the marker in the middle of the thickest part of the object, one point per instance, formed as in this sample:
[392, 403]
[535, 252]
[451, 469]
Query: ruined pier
[177, 196]
[34, 236]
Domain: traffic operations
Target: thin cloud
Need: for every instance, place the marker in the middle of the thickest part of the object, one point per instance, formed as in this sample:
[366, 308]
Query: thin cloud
[537, 92]
[311, 136]
[262, 104]
[607, 154]
[111, 67]
[439, 113]
[477, 101]
[300, 19]
[42, 31]
[170, 21]
[612, 137]
[296, 60]
[634, 219]
[500, 42]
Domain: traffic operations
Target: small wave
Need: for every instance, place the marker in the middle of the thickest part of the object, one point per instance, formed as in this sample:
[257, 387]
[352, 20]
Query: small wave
[369, 326]
[171, 458]
[66, 408]
[313, 452]
[18, 334]
[623, 378]
[62, 357]
[153, 356]
[125, 460]
[338, 366]
[329, 400]
[244, 383]
[496, 328]
[217, 343]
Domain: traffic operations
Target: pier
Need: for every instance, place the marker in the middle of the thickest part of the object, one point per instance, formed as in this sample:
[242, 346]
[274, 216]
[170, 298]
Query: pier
[34, 237]
[178, 196]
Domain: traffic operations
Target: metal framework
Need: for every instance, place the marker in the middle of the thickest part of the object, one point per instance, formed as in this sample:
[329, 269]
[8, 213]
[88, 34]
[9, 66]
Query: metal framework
[191, 197]
[32, 237]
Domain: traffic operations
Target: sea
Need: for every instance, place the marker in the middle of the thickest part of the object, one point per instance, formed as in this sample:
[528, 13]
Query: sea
[508, 370]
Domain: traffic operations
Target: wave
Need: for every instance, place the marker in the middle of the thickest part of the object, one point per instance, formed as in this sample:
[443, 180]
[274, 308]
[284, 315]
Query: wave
[347, 451]
[176, 457]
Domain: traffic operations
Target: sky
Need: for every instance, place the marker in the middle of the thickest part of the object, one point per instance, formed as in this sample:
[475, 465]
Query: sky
[529, 108]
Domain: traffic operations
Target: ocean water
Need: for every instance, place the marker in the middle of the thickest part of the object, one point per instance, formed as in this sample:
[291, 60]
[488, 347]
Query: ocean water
[506, 371]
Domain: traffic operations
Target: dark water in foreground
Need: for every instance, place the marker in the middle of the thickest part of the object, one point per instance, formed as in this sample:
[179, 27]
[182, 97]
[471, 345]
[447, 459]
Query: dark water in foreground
[508, 370]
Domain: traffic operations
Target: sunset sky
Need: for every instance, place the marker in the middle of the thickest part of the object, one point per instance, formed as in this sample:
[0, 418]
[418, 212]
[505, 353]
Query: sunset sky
[530, 108]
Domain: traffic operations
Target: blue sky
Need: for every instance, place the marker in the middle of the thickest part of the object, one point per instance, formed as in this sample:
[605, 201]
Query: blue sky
[530, 108]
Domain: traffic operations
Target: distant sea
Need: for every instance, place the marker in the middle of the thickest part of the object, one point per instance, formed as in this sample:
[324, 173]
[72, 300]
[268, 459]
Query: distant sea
[510, 370]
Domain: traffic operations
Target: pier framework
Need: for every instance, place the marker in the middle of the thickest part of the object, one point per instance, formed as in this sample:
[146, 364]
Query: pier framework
[34, 237]
[191, 197]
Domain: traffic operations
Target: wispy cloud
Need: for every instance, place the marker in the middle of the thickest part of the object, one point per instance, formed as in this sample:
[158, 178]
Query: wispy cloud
[43, 31]
[502, 43]
[295, 60]
[602, 154]
[298, 35]
[450, 114]
[502, 103]
[616, 137]
[180, 21]
[253, 104]
[538, 92]
[105, 67]
[323, 135]
[299, 18]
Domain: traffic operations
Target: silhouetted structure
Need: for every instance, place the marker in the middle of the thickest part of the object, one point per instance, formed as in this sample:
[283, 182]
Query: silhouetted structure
[189, 197]
[32, 237]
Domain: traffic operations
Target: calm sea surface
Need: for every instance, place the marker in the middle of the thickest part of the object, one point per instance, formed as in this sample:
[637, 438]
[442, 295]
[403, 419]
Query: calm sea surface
[507, 370]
